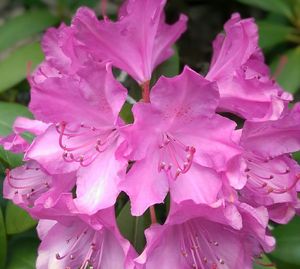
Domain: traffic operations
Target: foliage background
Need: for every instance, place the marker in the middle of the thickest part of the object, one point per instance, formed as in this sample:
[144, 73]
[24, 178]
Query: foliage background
[22, 23]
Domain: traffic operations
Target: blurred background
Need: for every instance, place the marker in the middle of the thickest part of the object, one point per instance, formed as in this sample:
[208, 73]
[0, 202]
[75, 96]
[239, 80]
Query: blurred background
[22, 23]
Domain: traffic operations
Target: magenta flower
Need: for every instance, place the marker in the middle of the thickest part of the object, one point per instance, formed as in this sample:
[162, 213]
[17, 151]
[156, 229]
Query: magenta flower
[271, 174]
[224, 184]
[30, 186]
[177, 140]
[84, 136]
[136, 43]
[80, 241]
[207, 237]
[243, 78]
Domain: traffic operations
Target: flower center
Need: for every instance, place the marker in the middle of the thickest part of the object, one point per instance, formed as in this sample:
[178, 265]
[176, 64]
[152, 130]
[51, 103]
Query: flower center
[29, 181]
[175, 157]
[83, 143]
[198, 247]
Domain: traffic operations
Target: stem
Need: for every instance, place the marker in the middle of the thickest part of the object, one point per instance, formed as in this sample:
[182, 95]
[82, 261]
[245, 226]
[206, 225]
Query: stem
[146, 91]
[153, 215]
[146, 98]
[104, 9]
[28, 70]
[282, 63]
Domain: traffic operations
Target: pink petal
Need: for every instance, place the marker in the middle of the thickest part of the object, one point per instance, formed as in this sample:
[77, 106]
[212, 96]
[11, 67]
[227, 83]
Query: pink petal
[97, 184]
[50, 157]
[200, 184]
[97, 91]
[146, 46]
[145, 185]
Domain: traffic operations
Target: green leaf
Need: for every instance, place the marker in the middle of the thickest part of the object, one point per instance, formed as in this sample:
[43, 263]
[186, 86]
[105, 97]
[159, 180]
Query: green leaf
[25, 26]
[287, 252]
[132, 228]
[126, 113]
[8, 113]
[296, 156]
[17, 220]
[13, 68]
[23, 254]
[272, 34]
[10, 160]
[289, 76]
[263, 261]
[3, 242]
[276, 6]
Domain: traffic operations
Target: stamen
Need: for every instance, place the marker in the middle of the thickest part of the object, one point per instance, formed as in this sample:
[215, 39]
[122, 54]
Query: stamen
[84, 143]
[197, 247]
[72, 247]
[176, 157]
[29, 182]
[86, 241]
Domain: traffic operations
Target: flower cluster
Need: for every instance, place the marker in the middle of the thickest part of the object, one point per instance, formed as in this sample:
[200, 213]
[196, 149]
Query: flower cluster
[225, 181]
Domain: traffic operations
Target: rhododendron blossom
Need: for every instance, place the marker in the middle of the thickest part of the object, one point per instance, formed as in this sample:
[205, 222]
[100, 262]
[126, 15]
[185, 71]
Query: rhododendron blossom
[175, 141]
[87, 134]
[203, 236]
[224, 179]
[244, 81]
[71, 240]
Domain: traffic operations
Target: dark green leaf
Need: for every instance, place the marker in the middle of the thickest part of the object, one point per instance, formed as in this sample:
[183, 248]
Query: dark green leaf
[273, 34]
[276, 6]
[126, 113]
[17, 220]
[133, 228]
[287, 252]
[10, 160]
[23, 254]
[3, 242]
[13, 68]
[289, 75]
[24, 26]
[169, 68]
[296, 156]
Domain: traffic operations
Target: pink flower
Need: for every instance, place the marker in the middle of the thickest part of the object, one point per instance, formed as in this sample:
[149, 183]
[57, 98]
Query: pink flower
[84, 136]
[269, 174]
[14, 143]
[243, 78]
[30, 186]
[175, 141]
[136, 43]
[207, 237]
[80, 241]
